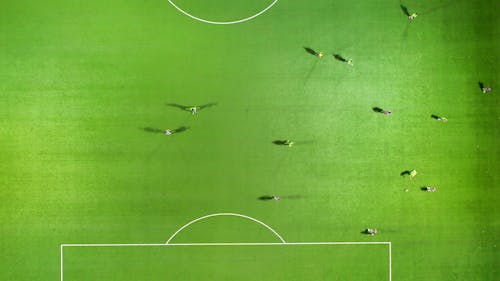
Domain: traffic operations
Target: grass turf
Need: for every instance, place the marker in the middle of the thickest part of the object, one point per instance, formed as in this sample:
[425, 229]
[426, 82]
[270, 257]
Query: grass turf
[291, 262]
[79, 82]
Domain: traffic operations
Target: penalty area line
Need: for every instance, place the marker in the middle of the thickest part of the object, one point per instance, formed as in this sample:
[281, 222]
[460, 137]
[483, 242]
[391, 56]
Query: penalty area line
[223, 244]
[390, 261]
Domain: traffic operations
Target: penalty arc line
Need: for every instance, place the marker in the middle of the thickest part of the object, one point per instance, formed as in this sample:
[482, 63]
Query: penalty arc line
[226, 214]
[168, 244]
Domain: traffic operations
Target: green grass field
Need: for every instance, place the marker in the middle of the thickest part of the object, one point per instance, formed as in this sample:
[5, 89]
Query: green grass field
[332, 262]
[85, 86]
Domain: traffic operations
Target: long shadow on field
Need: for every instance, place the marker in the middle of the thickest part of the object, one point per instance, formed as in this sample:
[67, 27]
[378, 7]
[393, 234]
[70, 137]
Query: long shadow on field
[405, 10]
[311, 51]
[481, 85]
[434, 116]
[405, 173]
[179, 106]
[201, 107]
[286, 142]
[180, 130]
[280, 142]
[339, 58]
[377, 109]
[266, 197]
[404, 35]
[152, 130]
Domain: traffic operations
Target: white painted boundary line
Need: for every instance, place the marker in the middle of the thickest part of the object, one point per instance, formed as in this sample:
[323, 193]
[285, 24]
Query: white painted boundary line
[282, 243]
[390, 261]
[222, 22]
[226, 244]
[227, 215]
[62, 262]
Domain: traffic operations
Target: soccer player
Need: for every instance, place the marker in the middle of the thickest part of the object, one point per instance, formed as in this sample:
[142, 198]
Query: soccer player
[276, 197]
[289, 142]
[442, 119]
[412, 16]
[168, 132]
[193, 110]
[372, 231]
[413, 173]
[387, 112]
[349, 62]
[429, 189]
[486, 89]
[321, 54]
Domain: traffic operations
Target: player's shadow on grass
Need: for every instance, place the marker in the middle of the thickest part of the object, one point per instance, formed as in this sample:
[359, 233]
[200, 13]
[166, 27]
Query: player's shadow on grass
[280, 142]
[286, 142]
[339, 58]
[434, 116]
[201, 107]
[152, 130]
[272, 197]
[311, 51]
[179, 106]
[405, 173]
[481, 85]
[377, 109]
[405, 10]
[180, 130]
[404, 35]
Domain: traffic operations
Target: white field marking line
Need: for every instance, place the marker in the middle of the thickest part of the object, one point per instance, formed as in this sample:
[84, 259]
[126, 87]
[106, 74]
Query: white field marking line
[225, 244]
[390, 261]
[223, 22]
[229, 244]
[62, 264]
[225, 214]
